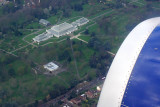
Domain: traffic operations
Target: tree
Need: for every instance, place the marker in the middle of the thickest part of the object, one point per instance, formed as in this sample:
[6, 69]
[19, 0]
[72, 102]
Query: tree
[93, 34]
[107, 46]
[64, 55]
[77, 54]
[92, 42]
[66, 13]
[11, 72]
[86, 32]
[69, 59]
[36, 103]
[78, 7]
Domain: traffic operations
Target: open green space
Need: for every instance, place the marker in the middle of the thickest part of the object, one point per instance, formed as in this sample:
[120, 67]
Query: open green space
[34, 25]
[53, 19]
[12, 43]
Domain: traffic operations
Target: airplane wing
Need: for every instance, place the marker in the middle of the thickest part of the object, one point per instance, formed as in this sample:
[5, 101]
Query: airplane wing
[133, 79]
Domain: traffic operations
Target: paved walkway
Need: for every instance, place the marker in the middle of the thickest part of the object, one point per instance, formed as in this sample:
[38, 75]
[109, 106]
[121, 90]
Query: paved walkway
[82, 40]
[8, 53]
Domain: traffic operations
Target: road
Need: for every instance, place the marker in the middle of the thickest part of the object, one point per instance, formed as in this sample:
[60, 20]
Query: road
[91, 84]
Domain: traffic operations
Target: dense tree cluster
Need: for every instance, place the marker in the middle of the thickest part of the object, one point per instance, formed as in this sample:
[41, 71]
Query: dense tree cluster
[12, 22]
[7, 69]
[15, 16]
[102, 59]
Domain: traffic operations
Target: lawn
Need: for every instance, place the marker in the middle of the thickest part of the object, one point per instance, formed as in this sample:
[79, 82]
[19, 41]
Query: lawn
[34, 25]
[53, 19]
[12, 43]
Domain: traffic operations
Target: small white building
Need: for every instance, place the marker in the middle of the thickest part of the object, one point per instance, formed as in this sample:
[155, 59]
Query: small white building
[44, 22]
[51, 66]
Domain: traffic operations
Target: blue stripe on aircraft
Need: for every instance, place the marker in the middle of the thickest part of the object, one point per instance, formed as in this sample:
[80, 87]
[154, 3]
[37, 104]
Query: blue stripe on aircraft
[143, 88]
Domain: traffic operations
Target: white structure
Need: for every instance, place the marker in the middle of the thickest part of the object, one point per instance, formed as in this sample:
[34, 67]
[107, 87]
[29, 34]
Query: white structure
[59, 30]
[80, 22]
[51, 66]
[44, 22]
[122, 65]
[62, 29]
[42, 37]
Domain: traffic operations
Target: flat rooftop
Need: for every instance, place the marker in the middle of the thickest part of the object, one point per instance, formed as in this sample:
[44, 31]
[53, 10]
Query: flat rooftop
[44, 21]
[62, 27]
[51, 66]
[82, 20]
[42, 37]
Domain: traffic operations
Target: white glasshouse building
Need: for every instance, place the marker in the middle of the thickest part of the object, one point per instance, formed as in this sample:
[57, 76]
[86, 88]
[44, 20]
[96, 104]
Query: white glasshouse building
[42, 37]
[61, 29]
[80, 22]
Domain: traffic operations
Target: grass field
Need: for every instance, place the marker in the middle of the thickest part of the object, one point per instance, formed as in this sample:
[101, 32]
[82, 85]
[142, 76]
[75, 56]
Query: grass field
[34, 25]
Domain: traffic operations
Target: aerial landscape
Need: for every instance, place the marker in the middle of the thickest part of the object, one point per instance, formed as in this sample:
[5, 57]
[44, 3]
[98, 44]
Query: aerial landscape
[57, 53]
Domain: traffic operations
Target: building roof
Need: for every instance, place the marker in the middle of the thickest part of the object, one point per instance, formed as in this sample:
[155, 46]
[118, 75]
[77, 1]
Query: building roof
[62, 27]
[42, 37]
[51, 66]
[89, 94]
[43, 21]
[74, 24]
[50, 31]
[80, 22]
[123, 85]
[76, 100]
